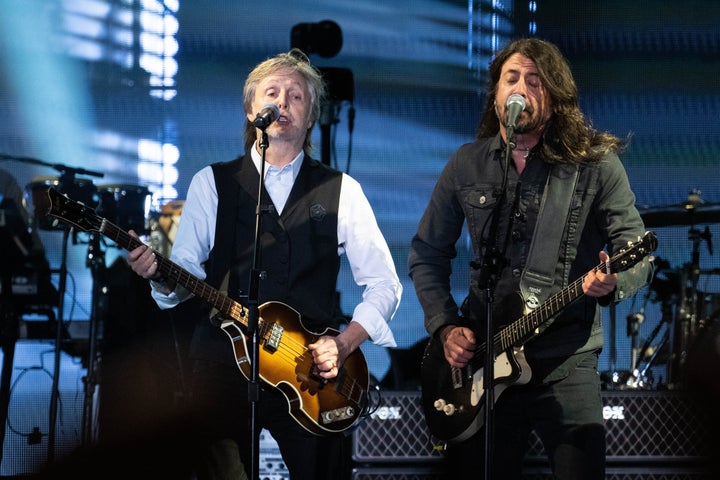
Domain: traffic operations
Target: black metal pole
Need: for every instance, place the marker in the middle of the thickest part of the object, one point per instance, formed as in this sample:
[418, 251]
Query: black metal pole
[254, 315]
[62, 282]
[96, 262]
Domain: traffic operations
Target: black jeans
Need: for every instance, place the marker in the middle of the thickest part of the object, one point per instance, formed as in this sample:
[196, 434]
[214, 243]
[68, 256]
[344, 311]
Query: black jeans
[566, 415]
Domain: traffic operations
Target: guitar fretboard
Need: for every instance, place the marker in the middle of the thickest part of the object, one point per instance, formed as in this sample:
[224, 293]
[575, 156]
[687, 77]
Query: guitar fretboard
[174, 272]
[523, 329]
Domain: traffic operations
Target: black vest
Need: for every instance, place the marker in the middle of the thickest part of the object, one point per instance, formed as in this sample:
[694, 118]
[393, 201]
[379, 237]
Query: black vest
[298, 249]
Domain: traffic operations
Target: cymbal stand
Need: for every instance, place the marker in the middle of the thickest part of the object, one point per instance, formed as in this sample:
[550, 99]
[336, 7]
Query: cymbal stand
[672, 311]
[59, 324]
[687, 315]
[639, 378]
[633, 325]
[96, 262]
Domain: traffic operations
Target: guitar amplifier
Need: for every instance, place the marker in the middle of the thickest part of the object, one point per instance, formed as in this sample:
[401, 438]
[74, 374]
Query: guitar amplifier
[641, 426]
[395, 432]
[534, 473]
[649, 426]
[644, 472]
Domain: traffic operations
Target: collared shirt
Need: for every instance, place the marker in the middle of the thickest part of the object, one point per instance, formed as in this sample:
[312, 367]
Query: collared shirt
[279, 181]
[359, 238]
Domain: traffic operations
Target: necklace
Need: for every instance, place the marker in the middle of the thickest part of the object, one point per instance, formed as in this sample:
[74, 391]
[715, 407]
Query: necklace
[527, 153]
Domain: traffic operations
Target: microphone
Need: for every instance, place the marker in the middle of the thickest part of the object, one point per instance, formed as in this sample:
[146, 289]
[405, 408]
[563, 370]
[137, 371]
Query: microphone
[268, 114]
[515, 105]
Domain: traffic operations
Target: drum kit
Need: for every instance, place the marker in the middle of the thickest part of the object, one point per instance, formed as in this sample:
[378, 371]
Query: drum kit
[125, 205]
[689, 314]
[128, 207]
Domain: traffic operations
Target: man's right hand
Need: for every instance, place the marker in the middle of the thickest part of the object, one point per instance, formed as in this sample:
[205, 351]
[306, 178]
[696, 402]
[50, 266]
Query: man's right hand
[458, 345]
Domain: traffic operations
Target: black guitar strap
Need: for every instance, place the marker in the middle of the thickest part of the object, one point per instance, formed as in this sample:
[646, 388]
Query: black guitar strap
[537, 279]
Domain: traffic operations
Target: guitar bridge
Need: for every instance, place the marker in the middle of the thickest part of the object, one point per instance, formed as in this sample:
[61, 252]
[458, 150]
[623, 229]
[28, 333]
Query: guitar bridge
[273, 340]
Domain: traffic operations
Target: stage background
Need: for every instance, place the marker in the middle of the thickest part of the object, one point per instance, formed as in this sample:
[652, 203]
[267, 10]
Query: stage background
[74, 92]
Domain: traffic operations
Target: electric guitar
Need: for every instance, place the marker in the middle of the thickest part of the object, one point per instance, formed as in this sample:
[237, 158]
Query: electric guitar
[453, 398]
[319, 405]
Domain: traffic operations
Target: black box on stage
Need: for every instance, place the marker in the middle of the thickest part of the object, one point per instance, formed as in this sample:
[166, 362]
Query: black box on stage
[534, 473]
[398, 473]
[395, 432]
[641, 426]
[649, 426]
[636, 472]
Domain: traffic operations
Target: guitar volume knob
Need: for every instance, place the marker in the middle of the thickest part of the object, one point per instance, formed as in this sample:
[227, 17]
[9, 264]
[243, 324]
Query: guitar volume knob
[449, 409]
[439, 404]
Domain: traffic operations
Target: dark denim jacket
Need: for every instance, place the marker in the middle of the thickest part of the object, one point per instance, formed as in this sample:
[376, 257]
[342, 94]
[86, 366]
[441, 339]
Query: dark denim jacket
[602, 215]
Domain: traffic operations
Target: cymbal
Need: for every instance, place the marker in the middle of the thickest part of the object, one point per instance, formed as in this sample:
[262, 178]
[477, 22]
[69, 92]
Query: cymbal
[682, 214]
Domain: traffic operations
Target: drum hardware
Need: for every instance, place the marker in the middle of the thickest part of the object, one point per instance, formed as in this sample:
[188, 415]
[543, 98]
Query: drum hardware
[164, 225]
[633, 325]
[637, 377]
[81, 188]
[643, 379]
[708, 307]
[693, 211]
[680, 287]
[25, 288]
[125, 205]
[170, 218]
[66, 183]
[687, 322]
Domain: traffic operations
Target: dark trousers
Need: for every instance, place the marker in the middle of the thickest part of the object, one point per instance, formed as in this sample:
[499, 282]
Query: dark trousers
[566, 415]
[221, 409]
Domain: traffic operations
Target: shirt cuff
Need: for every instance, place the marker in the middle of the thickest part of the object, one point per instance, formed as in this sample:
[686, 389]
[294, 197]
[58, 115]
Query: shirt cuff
[376, 326]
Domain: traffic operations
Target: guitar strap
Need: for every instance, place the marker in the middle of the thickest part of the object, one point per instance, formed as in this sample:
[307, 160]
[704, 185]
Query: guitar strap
[537, 279]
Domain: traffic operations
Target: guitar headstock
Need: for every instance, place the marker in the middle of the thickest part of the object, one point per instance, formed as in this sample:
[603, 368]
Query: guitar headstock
[632, 254]
[75, 213]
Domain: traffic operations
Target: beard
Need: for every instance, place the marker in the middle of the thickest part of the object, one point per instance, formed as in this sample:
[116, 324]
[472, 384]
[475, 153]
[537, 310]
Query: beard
[529, 120]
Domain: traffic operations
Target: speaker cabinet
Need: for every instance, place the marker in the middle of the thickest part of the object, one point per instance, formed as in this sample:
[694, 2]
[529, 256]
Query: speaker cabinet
[395, 432]
[645, 472]
[642, 426]
[649, 426]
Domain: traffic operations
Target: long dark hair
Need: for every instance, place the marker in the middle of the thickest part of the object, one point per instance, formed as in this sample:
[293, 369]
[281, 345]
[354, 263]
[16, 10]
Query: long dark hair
[568, 136]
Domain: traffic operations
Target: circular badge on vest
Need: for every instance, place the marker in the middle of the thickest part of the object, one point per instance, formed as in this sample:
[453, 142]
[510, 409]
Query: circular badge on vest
[317, 212]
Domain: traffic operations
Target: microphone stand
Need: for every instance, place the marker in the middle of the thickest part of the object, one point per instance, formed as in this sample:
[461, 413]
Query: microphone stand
[254, 313]
[491, 264]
